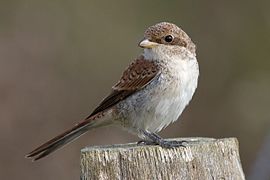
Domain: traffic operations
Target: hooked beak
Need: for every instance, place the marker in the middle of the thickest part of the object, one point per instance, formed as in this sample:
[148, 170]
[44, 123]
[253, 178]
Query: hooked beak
[145, 43]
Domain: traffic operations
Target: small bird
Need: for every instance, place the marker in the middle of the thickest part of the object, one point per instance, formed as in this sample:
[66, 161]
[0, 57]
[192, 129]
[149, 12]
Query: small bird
[152, 92]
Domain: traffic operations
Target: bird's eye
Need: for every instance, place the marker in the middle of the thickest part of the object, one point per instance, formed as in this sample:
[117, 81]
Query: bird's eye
[168, 38]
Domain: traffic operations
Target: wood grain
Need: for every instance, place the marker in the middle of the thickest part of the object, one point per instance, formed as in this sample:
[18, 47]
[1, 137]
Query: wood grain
[203, 158]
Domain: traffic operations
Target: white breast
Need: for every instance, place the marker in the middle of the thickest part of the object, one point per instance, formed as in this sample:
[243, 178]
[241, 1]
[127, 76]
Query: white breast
[176, 90]
[165, 98]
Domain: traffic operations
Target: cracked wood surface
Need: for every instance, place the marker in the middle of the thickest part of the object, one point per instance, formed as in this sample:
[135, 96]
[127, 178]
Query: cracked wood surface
[203, 158]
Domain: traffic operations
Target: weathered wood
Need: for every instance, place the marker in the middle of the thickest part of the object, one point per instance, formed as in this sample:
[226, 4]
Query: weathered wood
[203, 158]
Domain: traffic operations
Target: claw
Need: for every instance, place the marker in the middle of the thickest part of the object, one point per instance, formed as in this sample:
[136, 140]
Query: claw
[172, 144]
[157, 140]
[143, 142]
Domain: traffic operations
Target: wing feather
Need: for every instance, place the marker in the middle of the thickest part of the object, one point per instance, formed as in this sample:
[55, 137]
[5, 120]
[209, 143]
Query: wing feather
[139, 73]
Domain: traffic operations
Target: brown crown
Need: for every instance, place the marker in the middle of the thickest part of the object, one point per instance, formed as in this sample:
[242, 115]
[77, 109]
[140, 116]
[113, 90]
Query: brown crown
[158, 32]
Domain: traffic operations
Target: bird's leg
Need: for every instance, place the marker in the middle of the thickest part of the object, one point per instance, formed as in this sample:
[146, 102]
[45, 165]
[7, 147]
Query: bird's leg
[157, 140]
[148, 138]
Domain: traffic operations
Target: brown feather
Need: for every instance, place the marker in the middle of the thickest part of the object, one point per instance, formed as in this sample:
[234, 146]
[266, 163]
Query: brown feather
[61, 140]
[135, 77]
[139, 73]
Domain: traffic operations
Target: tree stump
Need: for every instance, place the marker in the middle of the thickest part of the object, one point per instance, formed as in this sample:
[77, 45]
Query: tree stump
[202, 159]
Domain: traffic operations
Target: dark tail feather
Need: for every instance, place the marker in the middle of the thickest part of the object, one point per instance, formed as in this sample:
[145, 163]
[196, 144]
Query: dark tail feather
[59, 141]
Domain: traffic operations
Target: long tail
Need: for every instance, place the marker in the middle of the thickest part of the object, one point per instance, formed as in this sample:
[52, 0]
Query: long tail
[61, 140]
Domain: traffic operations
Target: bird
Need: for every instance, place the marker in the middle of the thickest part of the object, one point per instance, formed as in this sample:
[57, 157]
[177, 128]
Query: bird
[152, 92]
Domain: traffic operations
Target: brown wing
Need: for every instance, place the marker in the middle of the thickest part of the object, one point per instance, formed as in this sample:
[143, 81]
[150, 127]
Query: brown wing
[135, 77]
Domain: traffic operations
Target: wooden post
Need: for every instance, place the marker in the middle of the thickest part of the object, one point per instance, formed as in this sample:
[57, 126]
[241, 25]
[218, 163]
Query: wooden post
[203, 158]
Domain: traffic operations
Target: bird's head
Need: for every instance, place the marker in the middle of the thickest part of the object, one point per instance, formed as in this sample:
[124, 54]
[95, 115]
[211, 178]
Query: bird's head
[166, 37]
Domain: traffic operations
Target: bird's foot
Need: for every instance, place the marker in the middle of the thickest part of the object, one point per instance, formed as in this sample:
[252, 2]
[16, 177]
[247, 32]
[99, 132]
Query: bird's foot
[157, 140]
[171, 144]
[144, 142]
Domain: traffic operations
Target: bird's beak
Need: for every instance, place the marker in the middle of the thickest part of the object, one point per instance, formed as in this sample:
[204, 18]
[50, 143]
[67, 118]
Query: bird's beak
[145, 43]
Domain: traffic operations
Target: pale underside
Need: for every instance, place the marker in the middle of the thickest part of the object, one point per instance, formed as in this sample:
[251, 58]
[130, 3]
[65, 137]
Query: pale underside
[163, 100]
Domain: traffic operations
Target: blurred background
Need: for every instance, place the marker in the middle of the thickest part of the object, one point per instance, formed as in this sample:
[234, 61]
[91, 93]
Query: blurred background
[58, 59]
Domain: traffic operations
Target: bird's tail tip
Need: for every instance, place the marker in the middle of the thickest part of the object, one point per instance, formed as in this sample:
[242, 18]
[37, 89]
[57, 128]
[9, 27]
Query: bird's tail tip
[58, 142]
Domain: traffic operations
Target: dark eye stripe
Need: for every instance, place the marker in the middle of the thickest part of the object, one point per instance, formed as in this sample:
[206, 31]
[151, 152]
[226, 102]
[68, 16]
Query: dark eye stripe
[176, 41]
